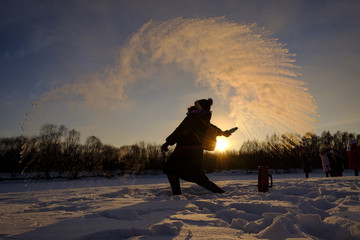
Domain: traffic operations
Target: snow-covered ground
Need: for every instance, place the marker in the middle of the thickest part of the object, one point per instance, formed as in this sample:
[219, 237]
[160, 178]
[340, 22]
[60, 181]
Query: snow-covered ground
[141, 207]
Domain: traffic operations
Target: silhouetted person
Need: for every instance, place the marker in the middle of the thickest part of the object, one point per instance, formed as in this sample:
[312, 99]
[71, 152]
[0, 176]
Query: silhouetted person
[186, 160]
[336, 163]
[325, 162]
[306, 163]
[353, 156]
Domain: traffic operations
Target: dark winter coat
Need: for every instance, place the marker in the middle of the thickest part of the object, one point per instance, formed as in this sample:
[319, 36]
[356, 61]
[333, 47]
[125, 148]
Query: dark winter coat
[186, 160]
[354, 156]
[306, 163]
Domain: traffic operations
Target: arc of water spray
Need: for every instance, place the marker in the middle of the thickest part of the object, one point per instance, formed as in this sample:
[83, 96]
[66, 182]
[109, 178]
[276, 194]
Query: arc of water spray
[241, 63]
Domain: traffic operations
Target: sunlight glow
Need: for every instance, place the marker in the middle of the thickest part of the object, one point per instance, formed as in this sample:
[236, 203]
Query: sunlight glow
[221, 144]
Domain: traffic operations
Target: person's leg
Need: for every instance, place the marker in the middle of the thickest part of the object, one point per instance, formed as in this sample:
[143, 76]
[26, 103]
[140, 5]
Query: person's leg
[202, 180]
[209, 185]
[175, 184]
[356, 172]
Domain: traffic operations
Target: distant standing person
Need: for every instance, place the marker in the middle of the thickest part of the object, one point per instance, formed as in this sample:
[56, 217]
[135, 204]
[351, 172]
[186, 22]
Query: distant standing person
[337, 166]
[186, 160]
[325, 162]
[354, 156]
[306, 163]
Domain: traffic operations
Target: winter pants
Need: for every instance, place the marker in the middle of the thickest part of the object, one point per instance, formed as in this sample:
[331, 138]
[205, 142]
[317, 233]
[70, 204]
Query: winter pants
[203, 181]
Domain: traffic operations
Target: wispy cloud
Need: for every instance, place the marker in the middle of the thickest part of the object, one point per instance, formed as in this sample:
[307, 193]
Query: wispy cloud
[39, 40]
[350, 119]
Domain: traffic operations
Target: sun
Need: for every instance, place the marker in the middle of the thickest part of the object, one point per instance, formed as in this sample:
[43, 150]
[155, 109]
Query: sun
[221, 143]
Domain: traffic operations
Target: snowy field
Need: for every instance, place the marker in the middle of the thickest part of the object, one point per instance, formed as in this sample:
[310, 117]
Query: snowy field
[141, 207]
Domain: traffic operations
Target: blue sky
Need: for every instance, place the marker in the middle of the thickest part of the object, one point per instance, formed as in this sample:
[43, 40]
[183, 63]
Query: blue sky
[70, 45]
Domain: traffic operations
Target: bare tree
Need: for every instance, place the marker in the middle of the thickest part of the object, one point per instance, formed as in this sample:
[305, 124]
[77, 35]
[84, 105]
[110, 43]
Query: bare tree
[327, 140]
[92, 155]
[50, 147]
[10, 149]
[71, 153]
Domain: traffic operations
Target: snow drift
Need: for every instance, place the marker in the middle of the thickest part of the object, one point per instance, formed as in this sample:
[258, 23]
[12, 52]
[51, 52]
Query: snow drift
[140, 207]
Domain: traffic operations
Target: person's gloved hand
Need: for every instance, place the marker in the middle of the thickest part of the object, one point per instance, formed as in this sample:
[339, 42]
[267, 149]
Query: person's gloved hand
[226, 133]
[164, 147]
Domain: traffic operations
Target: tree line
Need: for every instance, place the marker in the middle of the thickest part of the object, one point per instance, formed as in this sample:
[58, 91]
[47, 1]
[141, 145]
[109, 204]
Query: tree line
[58, 149]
